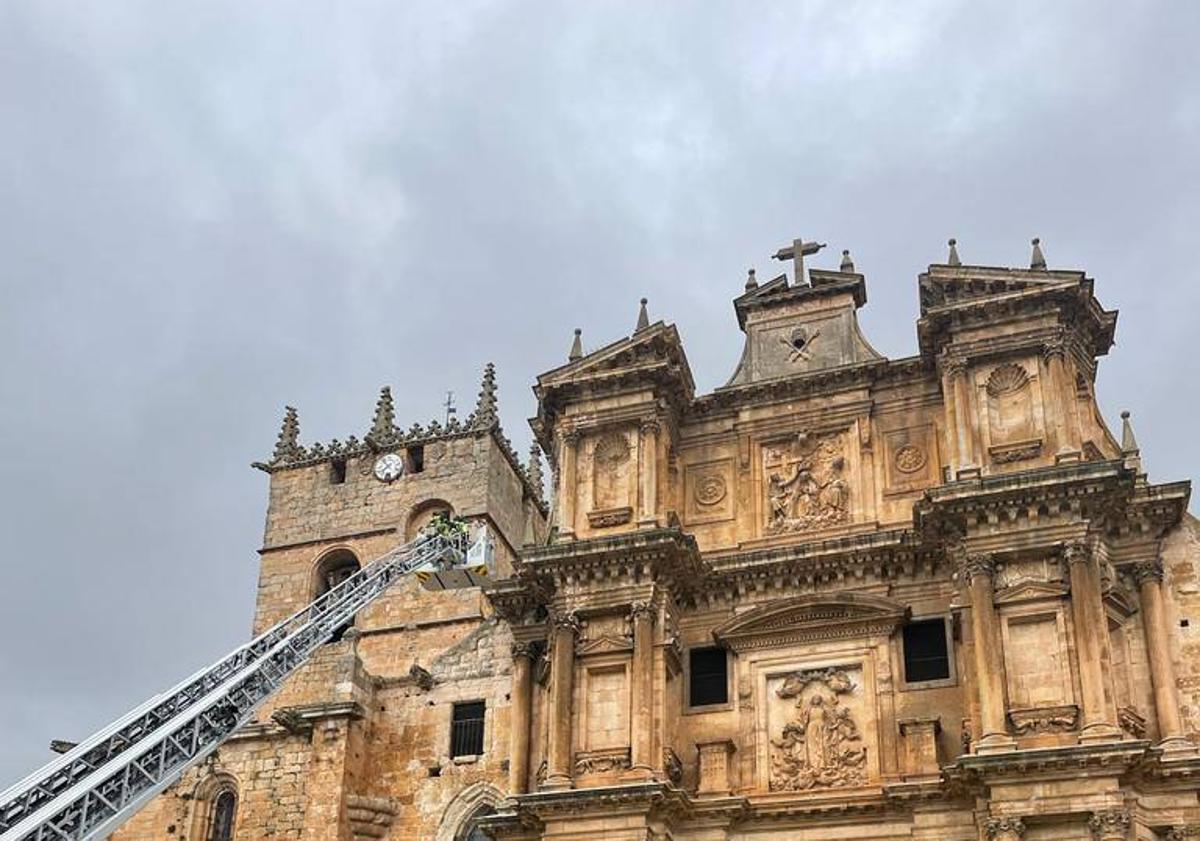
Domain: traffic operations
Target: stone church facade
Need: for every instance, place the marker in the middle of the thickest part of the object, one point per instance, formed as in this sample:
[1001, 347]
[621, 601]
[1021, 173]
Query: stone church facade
[840, 597]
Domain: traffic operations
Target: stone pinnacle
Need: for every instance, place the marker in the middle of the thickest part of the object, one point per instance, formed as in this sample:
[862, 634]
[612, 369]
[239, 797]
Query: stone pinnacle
[1038, 260]
[643, 320]
[576, 351]
[847, 264]
[953, 260]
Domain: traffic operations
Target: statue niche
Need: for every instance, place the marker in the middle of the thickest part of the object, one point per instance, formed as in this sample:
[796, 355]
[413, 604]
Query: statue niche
[806, 483]
[611, 476]
[820, 745]
[1010, 405]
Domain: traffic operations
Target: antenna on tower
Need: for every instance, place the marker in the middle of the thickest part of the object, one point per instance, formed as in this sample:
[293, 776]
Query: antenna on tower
[449, 406]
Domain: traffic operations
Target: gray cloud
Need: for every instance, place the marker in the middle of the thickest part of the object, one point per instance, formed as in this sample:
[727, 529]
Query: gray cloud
[209, 210]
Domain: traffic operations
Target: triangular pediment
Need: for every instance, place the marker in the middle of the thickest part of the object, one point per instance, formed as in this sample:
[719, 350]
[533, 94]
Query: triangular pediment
[945, 287]
[607, 644]
[812, 617]
[1027, 591]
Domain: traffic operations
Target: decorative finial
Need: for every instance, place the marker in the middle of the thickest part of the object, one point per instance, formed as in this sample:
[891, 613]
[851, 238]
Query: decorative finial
[953, 260]
[535, 469]
[643, 320]
[485, 406]
[1038, 260]
[751, 280]
[576, 351]
[384, 424]
[847, 263]
[1129, 444]
[288, 443]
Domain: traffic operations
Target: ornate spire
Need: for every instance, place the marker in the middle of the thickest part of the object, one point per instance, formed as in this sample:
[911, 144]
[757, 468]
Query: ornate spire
[576, 351]
[751, 280]
[643, 318]
[847, 263]
[953, 260]
[485, 407]
[383, 427]
[535, 469]
[1038, 260]
[288, 444]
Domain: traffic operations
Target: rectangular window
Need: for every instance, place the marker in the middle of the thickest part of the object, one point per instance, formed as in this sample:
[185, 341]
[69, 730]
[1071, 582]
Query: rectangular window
[709, 677]
[337, 471]
[466, 729]
[925, 654]
[416, 459]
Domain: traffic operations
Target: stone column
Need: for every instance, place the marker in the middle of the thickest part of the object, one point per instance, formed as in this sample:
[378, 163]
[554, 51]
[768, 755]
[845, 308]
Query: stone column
[641, 689]
[1005, 829]
[523, 654]
[1110, 825]
[1091, 638]
[954, 387]
[1158, 649]
[1062, 401]
[977, 570]
[649, 474]
[568, 443]
[562, 684]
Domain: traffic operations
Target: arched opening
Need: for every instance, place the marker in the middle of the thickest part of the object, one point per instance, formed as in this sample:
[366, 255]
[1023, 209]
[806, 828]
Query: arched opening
[470, 830]
[215, 815]
[220, 827]
[423, 513]
[331, 570]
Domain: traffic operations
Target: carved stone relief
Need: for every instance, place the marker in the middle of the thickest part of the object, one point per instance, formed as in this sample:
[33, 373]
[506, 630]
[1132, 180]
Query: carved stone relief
[806, 483]
[708, 492]
[818, 744]
[911, 458]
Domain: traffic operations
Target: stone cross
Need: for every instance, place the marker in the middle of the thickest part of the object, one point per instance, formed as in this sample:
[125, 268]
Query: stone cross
[797, 251]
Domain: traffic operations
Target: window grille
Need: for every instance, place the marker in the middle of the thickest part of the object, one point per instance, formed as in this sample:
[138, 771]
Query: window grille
[466, 729]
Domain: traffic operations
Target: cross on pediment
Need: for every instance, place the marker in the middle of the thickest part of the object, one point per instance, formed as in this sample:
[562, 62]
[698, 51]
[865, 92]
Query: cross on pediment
[796, 252]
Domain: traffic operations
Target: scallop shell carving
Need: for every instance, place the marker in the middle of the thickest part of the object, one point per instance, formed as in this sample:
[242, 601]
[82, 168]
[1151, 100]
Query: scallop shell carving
[1007, 379]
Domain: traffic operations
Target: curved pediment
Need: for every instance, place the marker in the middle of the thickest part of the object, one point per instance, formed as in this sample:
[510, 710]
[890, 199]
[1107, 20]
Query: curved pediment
[812, 617]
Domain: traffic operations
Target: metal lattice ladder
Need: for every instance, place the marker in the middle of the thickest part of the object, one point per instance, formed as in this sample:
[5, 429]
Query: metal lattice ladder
[96, 786]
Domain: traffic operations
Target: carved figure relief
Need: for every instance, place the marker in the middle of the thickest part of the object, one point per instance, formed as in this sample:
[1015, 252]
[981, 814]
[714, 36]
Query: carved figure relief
[1010, 408]
[820, 745]
[610, 462]
[806, 483]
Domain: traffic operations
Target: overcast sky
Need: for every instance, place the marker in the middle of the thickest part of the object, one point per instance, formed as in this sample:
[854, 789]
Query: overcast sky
[209, 210]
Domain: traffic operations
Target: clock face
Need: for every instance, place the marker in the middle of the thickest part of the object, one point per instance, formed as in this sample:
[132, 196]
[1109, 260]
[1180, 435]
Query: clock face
[389, 467]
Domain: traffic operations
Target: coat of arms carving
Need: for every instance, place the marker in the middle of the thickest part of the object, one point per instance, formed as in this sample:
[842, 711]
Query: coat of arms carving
[806, 483]
[820, 745]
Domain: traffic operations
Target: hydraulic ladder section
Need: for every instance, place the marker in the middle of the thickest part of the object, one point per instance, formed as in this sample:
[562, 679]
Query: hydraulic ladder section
[95, 787]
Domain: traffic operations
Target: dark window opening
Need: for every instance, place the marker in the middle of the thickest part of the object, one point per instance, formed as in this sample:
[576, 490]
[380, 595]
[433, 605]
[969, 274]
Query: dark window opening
[337, 471]
[466, 729]
[925, 653]
[416, 459]
[709, 677]
[332, 571]
[220, 827]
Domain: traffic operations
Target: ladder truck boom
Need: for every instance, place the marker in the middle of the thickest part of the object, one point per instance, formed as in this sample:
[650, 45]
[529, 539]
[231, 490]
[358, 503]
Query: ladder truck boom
[97, 785]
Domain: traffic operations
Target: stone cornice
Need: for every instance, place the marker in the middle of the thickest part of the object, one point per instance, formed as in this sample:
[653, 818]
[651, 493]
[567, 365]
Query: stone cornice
[1111, 757]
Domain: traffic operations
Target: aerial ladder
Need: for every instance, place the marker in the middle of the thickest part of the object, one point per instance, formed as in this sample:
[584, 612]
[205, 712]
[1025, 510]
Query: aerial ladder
[99, 784]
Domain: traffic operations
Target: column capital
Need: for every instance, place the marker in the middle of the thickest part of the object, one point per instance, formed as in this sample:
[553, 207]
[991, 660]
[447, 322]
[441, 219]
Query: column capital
[1077, 552]
[528, 650]
[642, 609]
[1005, 829]
[1179, 833]
[565, 621]
[569, 436]
[649, 425]
[1148, 571]
[974, 564]
[951, 363]
[1055, 347]
[1109, 825]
